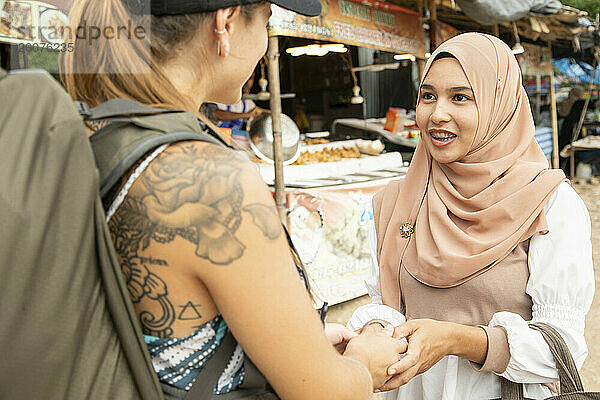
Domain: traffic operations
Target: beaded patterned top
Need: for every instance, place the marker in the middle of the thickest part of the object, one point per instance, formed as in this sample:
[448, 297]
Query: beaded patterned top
[178, 361]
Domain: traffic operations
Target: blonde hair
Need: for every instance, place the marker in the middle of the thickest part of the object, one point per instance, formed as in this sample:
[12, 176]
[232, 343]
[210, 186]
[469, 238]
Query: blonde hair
[82, 69]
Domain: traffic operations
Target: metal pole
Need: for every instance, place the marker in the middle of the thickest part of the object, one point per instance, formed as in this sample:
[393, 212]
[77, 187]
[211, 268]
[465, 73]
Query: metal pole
[275, 90]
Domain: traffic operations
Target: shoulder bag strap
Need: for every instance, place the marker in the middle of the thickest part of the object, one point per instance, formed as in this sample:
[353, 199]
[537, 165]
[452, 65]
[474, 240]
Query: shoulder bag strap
[205, 383]
[570, 381]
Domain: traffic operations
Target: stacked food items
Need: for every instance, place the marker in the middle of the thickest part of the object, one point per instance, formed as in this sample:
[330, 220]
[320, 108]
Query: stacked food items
[327, 155]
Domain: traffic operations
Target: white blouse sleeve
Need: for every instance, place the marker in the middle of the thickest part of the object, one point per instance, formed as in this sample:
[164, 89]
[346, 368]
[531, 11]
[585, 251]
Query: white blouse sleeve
[561, 286]
[375, 310]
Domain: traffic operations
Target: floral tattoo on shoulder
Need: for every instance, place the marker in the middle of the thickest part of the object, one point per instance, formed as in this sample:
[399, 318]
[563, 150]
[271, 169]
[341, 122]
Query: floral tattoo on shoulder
[193, 193]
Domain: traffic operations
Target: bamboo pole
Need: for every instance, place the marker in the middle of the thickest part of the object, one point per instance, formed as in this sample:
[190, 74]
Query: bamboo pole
[538, 96]
[420, 6]
[555, 149]
[275, 104]
[420, 62]
[421, 65]
[432, 25]
[496, 30]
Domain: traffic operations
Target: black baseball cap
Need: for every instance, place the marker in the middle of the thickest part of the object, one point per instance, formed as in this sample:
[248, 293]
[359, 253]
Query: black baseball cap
[310, 8]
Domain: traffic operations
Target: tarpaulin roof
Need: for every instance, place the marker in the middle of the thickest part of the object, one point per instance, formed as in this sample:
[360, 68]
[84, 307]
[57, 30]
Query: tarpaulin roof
[580, 71]
[490, 12]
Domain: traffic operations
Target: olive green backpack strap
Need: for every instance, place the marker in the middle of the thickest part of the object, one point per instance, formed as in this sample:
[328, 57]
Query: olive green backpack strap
[128, 134]
[140, 148]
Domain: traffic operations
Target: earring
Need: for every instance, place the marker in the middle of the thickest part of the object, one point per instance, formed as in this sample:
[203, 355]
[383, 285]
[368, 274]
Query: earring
[223, 46]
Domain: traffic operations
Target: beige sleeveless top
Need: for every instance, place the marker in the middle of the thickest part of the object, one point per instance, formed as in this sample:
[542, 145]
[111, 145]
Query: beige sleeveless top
[500, 288]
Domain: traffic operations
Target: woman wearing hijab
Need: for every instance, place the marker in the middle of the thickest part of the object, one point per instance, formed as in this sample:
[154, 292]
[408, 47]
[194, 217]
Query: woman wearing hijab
[478, 239]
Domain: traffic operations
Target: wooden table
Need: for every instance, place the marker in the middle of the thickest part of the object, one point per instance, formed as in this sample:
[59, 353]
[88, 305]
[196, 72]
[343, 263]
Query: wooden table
[590, 142]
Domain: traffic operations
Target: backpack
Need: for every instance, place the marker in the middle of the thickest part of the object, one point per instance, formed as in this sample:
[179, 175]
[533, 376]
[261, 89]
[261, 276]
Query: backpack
[68, 329]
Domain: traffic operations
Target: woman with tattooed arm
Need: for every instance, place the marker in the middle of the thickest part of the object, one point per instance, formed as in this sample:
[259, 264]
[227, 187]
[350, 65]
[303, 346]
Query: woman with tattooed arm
[194, 225]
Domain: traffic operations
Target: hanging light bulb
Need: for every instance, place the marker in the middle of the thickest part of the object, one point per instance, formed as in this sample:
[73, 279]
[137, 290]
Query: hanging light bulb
[518, 49]
[316, 49]
[356, 98]
[400, 57]
[263, 95]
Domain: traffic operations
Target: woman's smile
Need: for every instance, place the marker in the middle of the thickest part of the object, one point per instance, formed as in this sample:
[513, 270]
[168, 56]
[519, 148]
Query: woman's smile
[441, 137]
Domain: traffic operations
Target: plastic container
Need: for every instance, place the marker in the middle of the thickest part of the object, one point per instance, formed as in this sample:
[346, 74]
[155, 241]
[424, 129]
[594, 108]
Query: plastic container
[394, 119]
[583, 170]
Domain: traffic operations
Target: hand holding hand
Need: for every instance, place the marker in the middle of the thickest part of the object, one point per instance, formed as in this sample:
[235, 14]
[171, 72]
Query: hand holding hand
[339, 336]
[428, 342]
[377, 350]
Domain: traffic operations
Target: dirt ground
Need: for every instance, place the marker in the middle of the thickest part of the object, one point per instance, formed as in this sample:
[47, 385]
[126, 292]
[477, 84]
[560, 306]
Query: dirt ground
[590, 373]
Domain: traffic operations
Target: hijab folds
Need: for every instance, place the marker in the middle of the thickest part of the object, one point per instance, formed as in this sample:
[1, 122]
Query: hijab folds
[469, 213]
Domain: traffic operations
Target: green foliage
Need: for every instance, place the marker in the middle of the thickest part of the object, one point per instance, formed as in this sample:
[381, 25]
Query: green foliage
[591, 6]
[44, 59]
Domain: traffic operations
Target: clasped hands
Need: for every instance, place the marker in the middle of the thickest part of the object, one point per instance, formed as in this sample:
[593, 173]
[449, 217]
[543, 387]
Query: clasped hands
[393, 361]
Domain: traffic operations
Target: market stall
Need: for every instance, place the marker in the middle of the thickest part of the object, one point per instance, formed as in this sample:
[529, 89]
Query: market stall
[538, 76]
[326, 194]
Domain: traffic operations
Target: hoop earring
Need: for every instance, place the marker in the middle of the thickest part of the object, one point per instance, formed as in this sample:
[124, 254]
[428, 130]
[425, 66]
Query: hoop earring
[221, 32]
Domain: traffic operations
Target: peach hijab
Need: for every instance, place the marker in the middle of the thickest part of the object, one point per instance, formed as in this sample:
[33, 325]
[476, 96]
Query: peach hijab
[469, 213]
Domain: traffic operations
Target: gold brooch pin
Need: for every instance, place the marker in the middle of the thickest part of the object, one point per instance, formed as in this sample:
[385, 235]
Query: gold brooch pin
[406, 230]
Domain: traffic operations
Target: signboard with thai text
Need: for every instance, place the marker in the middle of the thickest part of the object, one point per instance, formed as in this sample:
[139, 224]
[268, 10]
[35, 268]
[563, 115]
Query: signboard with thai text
[444, 32]
[364, 23]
